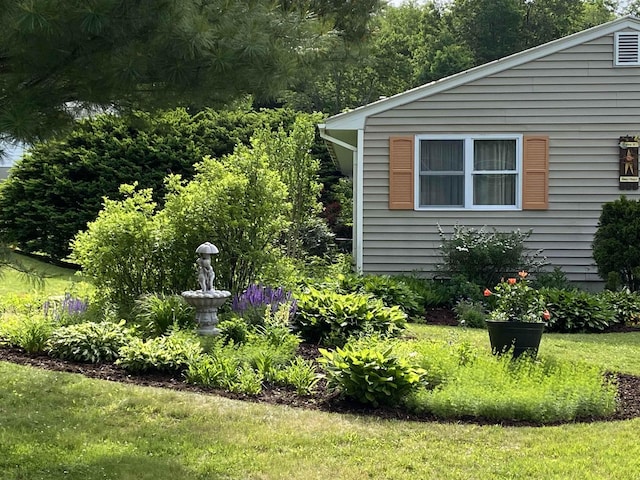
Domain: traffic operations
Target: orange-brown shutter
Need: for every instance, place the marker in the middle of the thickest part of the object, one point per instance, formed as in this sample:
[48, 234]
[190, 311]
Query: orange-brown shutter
[401, 173]
[535, 180]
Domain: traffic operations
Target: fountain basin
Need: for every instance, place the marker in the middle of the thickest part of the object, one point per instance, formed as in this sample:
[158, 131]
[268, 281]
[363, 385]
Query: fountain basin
[206, 305]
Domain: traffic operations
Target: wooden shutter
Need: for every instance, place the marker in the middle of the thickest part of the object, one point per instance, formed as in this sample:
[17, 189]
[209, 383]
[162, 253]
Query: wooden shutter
[535, 176]
[401, 179]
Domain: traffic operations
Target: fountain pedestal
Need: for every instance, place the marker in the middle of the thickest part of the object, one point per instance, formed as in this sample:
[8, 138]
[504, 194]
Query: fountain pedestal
[206, 305]
[207, 300]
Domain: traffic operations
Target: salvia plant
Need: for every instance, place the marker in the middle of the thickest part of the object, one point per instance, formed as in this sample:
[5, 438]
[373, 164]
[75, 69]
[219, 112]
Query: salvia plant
[253, 303]
[65, 308]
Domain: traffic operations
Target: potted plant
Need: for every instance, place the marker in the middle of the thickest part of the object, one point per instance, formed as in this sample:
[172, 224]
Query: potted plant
[517, 317]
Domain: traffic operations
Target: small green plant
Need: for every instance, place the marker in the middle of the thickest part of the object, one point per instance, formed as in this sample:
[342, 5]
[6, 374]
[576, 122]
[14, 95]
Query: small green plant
[301, 374]
[624, 304]
[470, 314]
[156, 313]
[392, 291]
[370, 374]
[577, 311]
[330, 318]
[554, 279]
[215, 371]
[234, 330]
[27, 331]
[171, 353]
[89, 342]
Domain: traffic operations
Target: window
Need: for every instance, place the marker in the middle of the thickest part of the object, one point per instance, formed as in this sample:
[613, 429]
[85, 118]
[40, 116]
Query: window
[468, 171]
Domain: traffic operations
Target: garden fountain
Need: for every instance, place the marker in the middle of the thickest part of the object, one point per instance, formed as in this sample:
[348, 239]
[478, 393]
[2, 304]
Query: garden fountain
[207, 300]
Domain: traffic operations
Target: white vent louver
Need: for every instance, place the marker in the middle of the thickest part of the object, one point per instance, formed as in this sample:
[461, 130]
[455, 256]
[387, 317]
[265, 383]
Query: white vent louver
[627, 48]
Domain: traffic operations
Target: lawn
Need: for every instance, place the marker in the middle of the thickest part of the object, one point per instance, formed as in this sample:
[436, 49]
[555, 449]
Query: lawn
[60, 425]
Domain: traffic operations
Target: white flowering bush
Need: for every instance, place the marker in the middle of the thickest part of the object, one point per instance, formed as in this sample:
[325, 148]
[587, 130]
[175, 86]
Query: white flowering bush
[485, 256]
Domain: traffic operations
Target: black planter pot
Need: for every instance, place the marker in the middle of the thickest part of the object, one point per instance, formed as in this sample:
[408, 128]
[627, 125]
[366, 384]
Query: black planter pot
[522, 336]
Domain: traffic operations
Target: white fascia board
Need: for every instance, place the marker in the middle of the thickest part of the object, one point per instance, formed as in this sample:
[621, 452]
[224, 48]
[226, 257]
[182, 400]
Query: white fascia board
[356, 119]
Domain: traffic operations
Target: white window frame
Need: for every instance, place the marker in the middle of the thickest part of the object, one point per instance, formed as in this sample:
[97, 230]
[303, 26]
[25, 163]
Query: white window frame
[469, 172]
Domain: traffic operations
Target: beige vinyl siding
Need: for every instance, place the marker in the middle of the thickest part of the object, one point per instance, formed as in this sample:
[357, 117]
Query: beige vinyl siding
[576, 97]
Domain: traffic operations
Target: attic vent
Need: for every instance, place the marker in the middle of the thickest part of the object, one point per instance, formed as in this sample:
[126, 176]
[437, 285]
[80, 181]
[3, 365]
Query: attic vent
[627, 48]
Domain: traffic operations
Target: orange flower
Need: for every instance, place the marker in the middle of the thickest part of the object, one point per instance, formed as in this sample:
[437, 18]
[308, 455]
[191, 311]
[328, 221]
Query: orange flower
[487, 292]
[522, 274]
[546, 315]
[511, 281]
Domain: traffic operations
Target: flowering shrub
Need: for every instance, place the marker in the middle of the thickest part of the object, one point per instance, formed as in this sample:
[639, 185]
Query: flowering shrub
[485, 256]
[516, 301]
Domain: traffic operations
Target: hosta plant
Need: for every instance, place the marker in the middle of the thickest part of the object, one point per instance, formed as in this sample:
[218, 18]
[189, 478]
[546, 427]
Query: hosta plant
[89, 342]
[370, 374]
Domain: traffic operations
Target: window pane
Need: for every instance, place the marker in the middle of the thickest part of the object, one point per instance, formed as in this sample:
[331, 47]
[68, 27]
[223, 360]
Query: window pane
[442, 190]
[494, 189]
[494, 155]
[442, 155]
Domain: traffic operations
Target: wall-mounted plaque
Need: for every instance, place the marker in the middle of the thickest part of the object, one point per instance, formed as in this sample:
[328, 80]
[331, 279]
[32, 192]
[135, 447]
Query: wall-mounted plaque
[629, 176]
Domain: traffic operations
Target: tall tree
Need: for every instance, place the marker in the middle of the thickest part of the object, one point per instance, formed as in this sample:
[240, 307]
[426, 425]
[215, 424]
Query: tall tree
[60, 58]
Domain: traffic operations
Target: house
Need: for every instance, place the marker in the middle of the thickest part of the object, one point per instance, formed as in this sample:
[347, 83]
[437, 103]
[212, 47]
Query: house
[536, 140]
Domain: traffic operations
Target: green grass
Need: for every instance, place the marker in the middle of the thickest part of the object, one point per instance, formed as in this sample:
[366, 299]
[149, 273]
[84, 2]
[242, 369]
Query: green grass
[619, 352]
[57, 280]
[59, 425]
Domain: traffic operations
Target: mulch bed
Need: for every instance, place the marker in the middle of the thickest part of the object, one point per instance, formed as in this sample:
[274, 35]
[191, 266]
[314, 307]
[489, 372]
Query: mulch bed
[628, 389]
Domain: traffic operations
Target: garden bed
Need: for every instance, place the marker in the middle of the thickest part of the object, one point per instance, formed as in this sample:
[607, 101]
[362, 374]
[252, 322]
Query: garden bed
[628, 406]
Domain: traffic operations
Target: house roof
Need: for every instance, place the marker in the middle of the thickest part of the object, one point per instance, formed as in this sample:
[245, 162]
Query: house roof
[355, 119]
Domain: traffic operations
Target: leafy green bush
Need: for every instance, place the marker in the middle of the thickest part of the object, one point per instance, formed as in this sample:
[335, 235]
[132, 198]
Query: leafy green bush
[301, 374]
[130, 249]
[470, 314]
[554, 279]
[58, 187]
[484, 257]
[576, 311]
[156, 313]
[27, 331]
[391, 290]
[234, 330]
[224, 372]
[615, 244]
[171, 353]
[370, 374]
[330, 318]
[89, 342]
[624, 304]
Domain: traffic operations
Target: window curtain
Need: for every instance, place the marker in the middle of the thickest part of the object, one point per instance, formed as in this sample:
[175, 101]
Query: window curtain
[494, 188]
[442, 173]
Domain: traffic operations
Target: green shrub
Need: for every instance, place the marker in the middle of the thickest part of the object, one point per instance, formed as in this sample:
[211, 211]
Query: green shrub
[234, 330]
[576, 311]
[624, 304]
[484, 257]
[370, 374]
[554, 279]
[301, 374]
[171, 353]
[58, 187]
[391, 290]
[470, 314]
[89, 342]
[330, 318]
[615, 244]
[27, 331]
[215, 371]
[156, 313]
